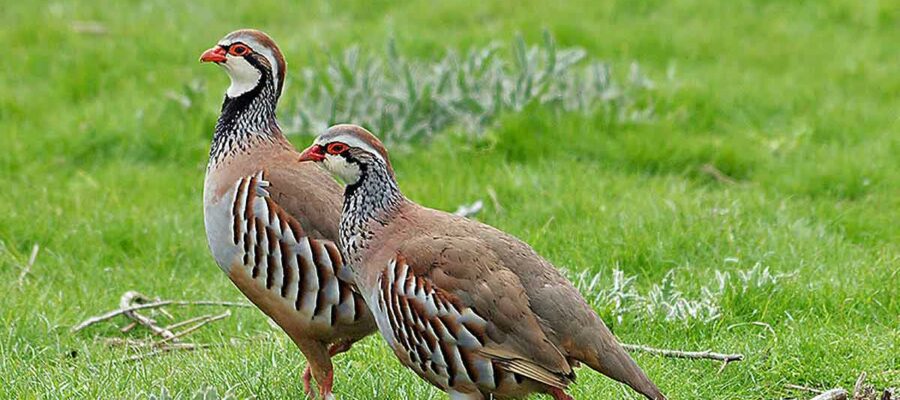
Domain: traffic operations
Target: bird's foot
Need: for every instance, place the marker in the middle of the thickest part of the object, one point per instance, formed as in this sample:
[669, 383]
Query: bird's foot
[325, 388]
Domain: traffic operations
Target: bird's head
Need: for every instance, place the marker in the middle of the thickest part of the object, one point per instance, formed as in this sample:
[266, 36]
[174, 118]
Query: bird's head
[249, 56]
[349, 151]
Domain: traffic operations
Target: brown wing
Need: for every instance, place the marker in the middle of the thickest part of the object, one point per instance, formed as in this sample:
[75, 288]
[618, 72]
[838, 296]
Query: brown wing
[309, 194]
[453, 291]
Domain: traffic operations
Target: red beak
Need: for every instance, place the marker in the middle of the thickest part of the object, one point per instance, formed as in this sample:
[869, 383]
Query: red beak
[313, 153]
[215, 54]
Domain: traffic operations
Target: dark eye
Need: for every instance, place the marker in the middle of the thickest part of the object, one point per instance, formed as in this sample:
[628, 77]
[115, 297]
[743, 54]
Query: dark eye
[238, 50]
[336, 148]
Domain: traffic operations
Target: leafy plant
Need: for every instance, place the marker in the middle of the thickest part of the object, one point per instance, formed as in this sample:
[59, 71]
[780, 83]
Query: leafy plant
[404, 100]
[665, 299]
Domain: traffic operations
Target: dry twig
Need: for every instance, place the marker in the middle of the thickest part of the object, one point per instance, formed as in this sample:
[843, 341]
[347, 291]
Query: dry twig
[833, 394]
[128, 299]
[170, 340]
[157, 304]
[188, 321]
[128, 328]
[193, 328]
[693, 355]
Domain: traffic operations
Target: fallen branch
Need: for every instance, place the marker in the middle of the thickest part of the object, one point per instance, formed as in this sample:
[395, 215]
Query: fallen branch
[157, 304]
[170, 340]
[693, 355]
[26, 269]
[833, 394]
[127, 301]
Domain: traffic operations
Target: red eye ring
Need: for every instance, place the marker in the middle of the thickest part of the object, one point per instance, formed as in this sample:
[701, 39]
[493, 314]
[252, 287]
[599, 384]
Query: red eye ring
[238, 50]
[336, 148]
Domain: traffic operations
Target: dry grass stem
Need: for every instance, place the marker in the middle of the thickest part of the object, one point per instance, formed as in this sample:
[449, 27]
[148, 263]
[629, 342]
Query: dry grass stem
[26, 269]
[193, 328]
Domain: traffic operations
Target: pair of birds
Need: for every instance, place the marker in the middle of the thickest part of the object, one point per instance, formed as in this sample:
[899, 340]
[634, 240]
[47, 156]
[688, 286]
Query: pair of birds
[472, 310]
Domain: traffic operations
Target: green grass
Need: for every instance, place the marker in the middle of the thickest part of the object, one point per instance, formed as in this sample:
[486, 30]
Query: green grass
[796, 100]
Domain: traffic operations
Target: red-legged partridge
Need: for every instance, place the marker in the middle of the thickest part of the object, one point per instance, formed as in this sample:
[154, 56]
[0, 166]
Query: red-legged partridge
[271, 221]
[472, 310]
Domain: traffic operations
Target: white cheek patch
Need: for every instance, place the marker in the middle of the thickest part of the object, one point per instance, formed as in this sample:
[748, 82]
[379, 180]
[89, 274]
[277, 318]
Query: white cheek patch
[348, 172]
[244, 77]
[351, 141]
[258, 48]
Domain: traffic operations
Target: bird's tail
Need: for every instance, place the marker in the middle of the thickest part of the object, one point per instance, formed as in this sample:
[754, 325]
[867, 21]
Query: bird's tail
[610, 359]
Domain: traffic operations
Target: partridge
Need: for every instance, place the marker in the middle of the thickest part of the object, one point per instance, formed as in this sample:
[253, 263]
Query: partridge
[271, 221]
[472, 310]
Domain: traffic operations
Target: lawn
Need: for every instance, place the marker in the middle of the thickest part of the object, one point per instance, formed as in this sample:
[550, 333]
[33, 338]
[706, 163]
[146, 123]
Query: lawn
[764, 190]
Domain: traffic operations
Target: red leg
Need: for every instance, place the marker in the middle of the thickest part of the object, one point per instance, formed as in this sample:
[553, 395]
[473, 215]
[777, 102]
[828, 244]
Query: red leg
[559, 394]
[326, 391]
[307, 382]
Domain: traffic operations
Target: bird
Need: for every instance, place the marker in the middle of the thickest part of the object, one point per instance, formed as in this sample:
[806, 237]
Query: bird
[272, 222]
[471, 309]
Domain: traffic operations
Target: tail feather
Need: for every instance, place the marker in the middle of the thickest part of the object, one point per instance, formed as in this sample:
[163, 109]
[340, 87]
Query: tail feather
[612, 360]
